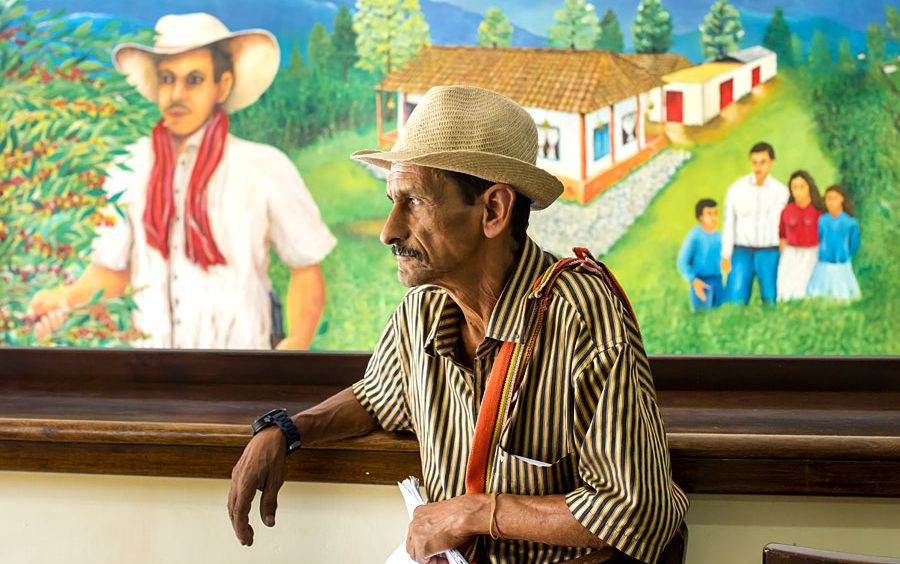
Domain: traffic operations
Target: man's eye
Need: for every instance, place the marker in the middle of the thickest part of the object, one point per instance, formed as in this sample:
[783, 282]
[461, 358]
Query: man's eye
[166, 79]
[195, 79]
[413, 201]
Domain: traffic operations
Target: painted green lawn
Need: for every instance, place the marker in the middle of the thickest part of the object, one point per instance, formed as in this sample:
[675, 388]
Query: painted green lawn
[360, 273]
[644, 259]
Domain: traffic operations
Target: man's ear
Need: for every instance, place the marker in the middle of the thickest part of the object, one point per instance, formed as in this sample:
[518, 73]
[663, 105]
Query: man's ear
[226, 83]
[498, 207]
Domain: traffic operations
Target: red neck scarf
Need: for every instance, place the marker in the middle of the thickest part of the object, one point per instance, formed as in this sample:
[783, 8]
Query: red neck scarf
[201, 248]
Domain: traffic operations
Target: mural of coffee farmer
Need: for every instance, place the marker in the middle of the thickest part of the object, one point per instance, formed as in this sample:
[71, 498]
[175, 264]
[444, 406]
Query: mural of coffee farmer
[201, 206]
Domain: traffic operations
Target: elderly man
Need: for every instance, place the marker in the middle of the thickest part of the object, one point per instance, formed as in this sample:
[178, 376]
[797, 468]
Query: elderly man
[201, 205]
[524, 379]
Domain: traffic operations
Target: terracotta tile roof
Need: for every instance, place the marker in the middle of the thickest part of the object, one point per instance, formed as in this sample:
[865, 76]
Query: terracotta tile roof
[658, 64]
[552, 79]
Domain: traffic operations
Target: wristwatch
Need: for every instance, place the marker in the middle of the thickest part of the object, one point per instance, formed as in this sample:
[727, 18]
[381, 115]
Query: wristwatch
[280, 418]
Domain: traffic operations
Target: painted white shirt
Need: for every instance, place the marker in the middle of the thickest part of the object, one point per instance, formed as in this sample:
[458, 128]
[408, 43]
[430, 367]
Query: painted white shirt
[256, 198]
[752, 213]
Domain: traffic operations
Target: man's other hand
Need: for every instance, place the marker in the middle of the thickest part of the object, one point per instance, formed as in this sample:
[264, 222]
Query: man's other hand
[261, 467]
[726, 266]
[437, 527]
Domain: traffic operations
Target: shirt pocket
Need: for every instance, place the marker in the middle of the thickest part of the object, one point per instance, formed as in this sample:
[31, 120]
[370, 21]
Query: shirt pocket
[518, 474]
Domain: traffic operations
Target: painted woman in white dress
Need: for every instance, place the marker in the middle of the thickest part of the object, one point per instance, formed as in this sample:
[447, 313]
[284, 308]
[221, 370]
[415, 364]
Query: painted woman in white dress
[799, 237]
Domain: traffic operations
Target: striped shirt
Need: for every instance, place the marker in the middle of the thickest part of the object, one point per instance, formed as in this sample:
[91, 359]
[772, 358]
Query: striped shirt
[585, 422]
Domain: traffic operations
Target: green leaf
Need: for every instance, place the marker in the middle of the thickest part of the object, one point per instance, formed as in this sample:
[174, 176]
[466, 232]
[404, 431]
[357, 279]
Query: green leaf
[82, 30]
[96, 297]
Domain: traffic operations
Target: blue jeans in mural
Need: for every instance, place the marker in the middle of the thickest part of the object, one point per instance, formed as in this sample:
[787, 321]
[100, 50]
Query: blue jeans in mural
[747, 262]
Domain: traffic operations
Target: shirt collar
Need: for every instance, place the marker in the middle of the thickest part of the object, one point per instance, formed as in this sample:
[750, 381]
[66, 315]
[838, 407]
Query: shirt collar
[196, 138]
[509, 312]
[752, 180]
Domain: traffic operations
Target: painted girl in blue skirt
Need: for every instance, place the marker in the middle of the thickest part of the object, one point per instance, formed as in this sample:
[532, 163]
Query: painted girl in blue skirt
[838, 241]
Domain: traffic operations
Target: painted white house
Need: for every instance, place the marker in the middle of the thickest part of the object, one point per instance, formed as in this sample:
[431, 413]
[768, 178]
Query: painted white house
[697, 95]
[589, 106]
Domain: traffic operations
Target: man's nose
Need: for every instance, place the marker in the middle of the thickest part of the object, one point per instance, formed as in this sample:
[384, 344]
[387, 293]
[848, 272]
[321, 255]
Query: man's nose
[178, 91]
[394, 229]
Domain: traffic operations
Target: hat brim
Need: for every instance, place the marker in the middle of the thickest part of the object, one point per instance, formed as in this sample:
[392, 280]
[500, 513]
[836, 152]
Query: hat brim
[255, 55]
[541, 187]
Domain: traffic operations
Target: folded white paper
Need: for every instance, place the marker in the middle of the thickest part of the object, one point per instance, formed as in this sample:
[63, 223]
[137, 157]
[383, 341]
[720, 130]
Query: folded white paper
[410, 490]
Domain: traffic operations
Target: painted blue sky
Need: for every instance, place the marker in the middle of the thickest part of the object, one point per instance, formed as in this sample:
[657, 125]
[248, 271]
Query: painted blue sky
[455, 22]
[537, 15]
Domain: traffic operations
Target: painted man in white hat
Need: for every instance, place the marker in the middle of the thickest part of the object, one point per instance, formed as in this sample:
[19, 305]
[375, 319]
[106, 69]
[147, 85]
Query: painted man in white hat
[202, 207]
[524, 378]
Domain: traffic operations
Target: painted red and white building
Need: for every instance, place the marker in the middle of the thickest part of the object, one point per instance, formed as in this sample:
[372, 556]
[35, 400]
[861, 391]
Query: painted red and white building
[697, 95]
[590, 107]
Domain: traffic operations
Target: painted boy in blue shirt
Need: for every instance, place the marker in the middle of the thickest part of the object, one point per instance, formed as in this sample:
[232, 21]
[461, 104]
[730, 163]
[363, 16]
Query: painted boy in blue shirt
[699, 258]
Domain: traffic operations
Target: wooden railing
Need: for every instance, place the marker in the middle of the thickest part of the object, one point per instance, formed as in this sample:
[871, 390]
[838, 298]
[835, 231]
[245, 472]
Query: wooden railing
[827, 426]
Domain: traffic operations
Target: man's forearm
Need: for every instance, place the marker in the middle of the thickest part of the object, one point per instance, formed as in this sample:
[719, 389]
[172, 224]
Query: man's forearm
[305, 302]
[544, 519]
[339, 417]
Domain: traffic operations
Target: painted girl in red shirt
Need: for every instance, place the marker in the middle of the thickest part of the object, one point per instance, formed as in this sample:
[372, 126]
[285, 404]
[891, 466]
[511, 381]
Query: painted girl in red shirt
[799, 238]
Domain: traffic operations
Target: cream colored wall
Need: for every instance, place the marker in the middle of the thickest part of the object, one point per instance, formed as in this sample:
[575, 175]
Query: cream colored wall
[71, 518]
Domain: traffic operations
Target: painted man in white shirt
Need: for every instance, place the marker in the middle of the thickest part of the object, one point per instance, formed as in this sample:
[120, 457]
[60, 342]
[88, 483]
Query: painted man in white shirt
[753, 208]
[201, 206]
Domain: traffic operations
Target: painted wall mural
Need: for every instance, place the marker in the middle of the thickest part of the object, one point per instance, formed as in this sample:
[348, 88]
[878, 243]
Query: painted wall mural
[176, 174]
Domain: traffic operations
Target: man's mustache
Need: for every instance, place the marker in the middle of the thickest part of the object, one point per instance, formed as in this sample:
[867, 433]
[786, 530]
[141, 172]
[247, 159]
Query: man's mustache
[402, 251]
[177, 106]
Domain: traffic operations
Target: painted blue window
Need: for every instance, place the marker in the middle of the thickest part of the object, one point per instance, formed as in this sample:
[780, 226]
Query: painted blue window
[601, 141]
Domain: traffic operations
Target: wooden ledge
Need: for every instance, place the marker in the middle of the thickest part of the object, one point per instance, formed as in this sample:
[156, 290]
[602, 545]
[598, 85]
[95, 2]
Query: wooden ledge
[755, 426]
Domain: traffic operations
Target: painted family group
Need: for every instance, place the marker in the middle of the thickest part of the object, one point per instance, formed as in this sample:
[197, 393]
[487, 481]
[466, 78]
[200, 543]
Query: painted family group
[795, 242]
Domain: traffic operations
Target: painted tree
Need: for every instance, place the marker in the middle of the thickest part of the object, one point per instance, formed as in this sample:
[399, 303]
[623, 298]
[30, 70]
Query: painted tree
[893, 21]
[798, 48]
[820, 60]
[846, 62]
[778, 38]
[576, 27]
[66, 117]
[875, 45]
[652, 28]
[495, 30]
[611, 37]
[296, 66]
[389, 33]
[343, 41]
[721, 31]
[319, 49]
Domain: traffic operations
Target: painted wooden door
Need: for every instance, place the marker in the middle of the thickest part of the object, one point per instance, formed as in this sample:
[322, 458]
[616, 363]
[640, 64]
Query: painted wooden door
[726, 93]
[755, 78]
[674, 106]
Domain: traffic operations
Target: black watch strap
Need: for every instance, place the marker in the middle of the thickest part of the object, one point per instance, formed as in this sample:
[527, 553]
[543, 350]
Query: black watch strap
[280, 418]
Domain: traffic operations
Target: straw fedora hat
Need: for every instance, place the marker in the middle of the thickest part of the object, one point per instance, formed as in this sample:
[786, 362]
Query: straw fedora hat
[473, 131]
[254, 53]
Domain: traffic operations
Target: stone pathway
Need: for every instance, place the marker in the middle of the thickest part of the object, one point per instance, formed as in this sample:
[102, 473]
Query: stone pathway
[600, 223]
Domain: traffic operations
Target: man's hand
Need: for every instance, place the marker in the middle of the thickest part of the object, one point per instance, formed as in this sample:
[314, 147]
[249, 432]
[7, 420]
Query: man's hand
[261, 467]
[440, 526]
[726, 266]
[48, 308]
[700, 288]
